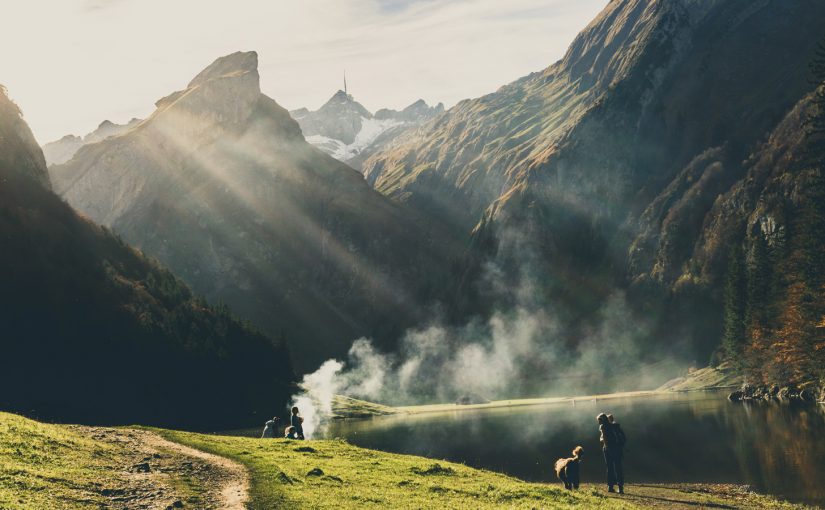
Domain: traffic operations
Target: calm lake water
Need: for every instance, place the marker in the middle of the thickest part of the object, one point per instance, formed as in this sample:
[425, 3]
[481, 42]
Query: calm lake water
[698, 437]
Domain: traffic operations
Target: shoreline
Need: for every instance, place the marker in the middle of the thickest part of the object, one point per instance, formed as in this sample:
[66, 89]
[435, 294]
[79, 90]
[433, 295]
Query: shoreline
[704, 379]
[342, 413]
[540, 401]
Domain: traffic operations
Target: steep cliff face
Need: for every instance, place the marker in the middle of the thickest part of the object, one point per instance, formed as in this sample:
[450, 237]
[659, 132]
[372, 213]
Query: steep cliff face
[95, 332]
[607, 163]
[220, 185]
[762, 250]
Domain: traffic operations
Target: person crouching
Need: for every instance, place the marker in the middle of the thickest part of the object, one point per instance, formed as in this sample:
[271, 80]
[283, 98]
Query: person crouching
[568, 469]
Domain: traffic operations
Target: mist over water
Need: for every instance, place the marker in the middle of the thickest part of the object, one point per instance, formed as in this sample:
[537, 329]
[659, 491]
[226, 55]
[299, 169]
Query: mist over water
[513, 354]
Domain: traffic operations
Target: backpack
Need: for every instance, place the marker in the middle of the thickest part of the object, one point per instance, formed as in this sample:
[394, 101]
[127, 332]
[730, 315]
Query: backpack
[621, 439]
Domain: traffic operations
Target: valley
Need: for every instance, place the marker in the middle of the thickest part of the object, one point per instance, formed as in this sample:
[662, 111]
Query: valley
[440, 298]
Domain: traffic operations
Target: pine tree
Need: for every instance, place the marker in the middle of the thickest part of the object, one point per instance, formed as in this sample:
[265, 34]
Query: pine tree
[735, 327]
[759, 277]
[816, 122]
[757, 311]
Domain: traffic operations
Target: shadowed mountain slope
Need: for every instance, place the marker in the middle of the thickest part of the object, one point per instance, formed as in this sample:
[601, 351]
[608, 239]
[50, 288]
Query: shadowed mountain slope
[93, 331]
[598, 173]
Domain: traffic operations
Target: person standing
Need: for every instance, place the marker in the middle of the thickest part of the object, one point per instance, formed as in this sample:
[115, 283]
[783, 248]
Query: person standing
[611, 448]
[297, 423]
[621, 439]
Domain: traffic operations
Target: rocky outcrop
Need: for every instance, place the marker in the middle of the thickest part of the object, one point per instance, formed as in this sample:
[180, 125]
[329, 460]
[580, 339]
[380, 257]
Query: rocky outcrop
[751, 393]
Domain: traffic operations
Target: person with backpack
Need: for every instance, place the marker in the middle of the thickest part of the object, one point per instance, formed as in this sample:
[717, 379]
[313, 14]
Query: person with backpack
[621, 439]
[612, 449]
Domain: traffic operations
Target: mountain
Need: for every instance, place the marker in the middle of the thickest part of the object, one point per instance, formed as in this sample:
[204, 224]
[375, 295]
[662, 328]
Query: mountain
[610, 170]
[761, 244]
[347, 131]
[220, 185]
[93, 331]
[61, 151]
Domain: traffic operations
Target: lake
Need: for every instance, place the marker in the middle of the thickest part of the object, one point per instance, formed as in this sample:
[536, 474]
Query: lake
[696, 437]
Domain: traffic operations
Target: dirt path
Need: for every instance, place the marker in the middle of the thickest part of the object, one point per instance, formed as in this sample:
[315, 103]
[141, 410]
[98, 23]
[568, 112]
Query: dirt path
[689, 496]
[157, 474]
[232, 489]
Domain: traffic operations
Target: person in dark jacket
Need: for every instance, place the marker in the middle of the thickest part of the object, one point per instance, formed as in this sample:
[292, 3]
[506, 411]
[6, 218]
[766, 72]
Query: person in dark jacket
[271, 428]
[612, 449]
[298, 423]
[621, 439]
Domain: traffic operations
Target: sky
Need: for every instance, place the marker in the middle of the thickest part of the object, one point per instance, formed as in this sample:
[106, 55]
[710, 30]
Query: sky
[70, 64]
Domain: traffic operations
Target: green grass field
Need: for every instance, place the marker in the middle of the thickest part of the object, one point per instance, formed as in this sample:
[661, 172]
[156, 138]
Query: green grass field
[51, 466]
[335, 474]
[46, 466]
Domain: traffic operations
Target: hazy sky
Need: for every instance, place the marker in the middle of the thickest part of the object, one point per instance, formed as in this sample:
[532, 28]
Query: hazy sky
[70, 64]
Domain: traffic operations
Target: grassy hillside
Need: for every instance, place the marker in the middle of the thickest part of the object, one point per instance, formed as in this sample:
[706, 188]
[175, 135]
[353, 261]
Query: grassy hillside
[723, 376]
[352, 477]
[71, 467]
[51, 466]
[335, 474]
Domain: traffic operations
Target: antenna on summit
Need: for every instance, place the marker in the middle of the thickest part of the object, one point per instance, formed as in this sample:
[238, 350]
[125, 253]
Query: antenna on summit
[345, 82]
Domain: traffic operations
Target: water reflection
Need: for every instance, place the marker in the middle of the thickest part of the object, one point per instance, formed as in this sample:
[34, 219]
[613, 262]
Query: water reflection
[697, 437]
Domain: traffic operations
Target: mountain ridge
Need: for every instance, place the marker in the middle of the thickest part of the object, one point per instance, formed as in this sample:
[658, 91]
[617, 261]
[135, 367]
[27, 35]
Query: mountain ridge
[220, 185]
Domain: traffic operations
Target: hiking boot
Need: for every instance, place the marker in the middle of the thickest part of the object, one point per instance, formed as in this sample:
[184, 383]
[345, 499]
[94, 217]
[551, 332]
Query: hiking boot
[621, 489]
[610, 489]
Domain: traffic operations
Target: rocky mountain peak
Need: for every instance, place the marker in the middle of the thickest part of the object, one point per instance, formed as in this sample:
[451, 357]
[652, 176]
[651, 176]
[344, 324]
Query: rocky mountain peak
[341, 97]
[224, 94]
[342, 103]
[229, 66]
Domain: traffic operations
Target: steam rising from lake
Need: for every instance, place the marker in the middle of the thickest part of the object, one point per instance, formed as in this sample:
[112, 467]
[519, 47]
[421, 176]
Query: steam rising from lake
[512, 355]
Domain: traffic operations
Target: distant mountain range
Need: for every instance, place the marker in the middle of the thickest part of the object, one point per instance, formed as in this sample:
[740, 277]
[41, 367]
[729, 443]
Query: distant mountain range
[93, 331]
[61, 151]
[220, 185]
[347, 131]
